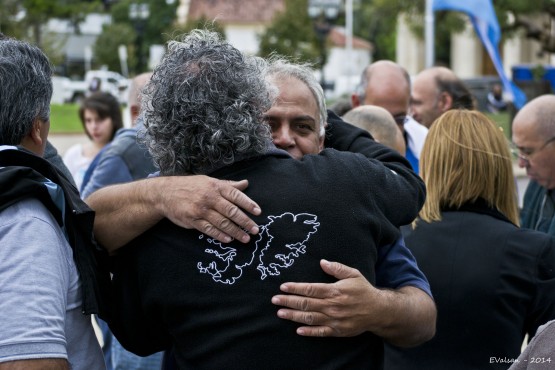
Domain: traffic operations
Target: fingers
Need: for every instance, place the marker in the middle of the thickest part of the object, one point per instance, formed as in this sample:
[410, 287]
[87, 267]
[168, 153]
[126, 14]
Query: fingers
[297, 305]
[235, 195]
[207, 228]
[214, 207]
[240, 185]
[312, 290]
[232, 204]
[339, 270]
[319, 325]
[318, 290]
[316, 321]
[222, 228]
[316, 331]
[319, 320]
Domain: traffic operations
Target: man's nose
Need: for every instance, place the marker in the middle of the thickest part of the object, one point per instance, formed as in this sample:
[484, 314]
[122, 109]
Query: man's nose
[522, 163]
[283, 137]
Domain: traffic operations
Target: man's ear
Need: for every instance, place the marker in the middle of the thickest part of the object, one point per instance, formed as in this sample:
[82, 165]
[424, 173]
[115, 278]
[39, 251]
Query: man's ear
[35, 135]
[355, 100]
[33, 141]
[445, 102]
[134, 110]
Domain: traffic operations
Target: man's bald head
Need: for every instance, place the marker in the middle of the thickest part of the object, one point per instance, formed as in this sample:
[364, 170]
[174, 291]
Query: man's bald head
[533, 132]
[539, 114]
[135, 94]
[379, 123]
[385, 84]
[435, 91]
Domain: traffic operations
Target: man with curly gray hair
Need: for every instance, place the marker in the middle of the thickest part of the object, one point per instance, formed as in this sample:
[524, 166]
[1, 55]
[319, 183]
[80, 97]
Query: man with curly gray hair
[202, 112]
[209, 301]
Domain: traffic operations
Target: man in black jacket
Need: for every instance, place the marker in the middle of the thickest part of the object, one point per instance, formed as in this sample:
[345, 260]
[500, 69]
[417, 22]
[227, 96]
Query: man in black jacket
[194, 287]
[410, 317]
[300, 125]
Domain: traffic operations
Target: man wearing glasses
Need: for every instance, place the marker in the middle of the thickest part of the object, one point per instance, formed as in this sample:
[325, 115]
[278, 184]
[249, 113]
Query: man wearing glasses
[534, 138]
[386, 84]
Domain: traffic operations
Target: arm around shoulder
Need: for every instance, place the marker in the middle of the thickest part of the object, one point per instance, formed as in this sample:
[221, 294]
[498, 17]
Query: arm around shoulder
[214, 207]
[124, 211]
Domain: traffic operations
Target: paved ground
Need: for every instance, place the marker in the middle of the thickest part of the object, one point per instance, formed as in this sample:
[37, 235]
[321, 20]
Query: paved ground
[63, 141]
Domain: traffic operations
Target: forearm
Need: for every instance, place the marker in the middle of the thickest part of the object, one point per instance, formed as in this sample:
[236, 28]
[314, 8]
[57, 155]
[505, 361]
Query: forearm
[125, 211]
[38, 364]
[109, 171]
[409, 317]
[213, 207]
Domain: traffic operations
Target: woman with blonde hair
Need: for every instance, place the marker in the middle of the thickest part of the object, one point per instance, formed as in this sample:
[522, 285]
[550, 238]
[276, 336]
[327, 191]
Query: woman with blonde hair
[492, 281]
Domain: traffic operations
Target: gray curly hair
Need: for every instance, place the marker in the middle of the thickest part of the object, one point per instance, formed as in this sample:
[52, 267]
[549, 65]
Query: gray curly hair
[204, 105]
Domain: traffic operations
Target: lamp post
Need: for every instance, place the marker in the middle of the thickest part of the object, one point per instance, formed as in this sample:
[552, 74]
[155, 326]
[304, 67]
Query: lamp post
[138, 14]
[323, 13]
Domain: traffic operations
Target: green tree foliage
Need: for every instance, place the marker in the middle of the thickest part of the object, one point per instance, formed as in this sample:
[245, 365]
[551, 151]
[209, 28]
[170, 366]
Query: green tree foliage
[26, 18]
[513, 16]
[160, 21]
[8, 22]
[106, 46]
[154, 30]
[291, 34]
[376, 21]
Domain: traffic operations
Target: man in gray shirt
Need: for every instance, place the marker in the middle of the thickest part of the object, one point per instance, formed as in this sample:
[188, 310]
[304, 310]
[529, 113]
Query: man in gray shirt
[46, 285]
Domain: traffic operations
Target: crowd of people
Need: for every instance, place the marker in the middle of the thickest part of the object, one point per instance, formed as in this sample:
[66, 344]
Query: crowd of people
[399, 242]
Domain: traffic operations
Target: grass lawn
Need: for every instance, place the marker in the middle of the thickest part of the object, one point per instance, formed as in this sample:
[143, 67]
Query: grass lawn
[503, 120]
[64, 118]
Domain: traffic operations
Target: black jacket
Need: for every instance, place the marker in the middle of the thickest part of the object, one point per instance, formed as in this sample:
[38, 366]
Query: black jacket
[492, 283]
[212, 302]
[23, 177]
[345, 137]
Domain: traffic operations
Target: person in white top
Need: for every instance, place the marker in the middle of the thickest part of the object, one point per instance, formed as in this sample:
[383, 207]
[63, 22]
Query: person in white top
[101, 117]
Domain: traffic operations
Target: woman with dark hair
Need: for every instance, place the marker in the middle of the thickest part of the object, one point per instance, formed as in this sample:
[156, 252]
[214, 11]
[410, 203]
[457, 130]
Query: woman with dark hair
[493, 282]
[100, 114]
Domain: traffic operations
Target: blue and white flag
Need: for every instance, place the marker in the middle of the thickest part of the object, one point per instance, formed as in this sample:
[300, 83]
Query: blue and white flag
[484, 20]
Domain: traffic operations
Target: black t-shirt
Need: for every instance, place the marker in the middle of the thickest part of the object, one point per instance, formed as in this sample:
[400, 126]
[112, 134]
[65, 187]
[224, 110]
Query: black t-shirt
[212, 301]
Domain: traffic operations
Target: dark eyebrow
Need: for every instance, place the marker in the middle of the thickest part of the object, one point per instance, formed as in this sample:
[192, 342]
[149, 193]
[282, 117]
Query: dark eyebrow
[304, 118]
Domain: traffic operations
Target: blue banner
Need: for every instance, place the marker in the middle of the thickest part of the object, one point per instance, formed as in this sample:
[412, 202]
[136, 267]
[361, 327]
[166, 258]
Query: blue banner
[484, 20]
